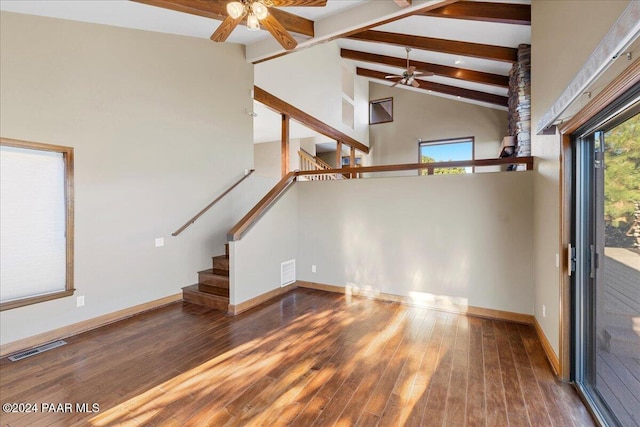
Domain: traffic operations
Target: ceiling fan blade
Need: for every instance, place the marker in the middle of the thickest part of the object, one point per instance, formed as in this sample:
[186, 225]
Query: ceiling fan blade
[415, 84]
[279, 32]
[411, 69]
[227, 26]
[312, 3]
[396, 84]
[403, 3]
[391, 76]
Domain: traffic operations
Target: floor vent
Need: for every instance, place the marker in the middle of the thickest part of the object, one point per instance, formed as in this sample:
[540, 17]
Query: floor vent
[287, 272]
[37, 350]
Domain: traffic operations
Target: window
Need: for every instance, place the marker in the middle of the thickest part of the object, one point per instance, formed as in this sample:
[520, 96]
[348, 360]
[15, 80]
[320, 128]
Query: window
[36, 222]
[446, 150]
[381, 111]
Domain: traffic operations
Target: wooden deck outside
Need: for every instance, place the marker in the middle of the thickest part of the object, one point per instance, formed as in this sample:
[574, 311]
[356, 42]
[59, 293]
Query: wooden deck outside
[305, 358]
[618, 352]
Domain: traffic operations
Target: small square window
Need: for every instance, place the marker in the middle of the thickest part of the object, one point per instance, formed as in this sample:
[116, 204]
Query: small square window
[381, 111]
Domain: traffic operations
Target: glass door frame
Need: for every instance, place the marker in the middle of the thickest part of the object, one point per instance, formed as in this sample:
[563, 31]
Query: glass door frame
[587, 151]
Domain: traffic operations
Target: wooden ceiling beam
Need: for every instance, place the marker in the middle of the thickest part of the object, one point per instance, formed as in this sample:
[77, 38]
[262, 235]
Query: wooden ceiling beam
[475, 50]
[504, 13]
[217, 9]
[425, 67]
[296, 3]
[442, 88]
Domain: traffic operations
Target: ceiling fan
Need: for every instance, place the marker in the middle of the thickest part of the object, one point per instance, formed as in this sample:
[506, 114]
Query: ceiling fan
[408, 77]
[256, 12]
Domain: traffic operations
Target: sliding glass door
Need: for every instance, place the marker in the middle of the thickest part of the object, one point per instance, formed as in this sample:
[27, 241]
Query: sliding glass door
[606, 280]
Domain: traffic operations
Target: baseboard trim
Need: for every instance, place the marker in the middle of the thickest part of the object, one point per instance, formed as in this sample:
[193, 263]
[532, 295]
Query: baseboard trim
[84, 326]
[250, 303]
[548, 349]
[487, 313]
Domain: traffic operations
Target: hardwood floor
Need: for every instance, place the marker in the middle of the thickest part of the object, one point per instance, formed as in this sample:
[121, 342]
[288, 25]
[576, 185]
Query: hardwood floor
[307, 358]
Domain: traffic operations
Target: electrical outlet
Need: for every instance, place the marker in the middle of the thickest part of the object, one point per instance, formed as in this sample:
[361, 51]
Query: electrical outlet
[80, 301]
[159, 242]
[544, 311]
[313, 268]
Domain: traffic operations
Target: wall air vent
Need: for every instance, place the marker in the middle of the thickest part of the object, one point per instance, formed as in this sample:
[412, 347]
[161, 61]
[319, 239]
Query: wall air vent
[37, 350]
[287, 272]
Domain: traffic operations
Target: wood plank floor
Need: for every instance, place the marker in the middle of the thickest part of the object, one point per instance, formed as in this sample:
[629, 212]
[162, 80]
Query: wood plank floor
[307, 358]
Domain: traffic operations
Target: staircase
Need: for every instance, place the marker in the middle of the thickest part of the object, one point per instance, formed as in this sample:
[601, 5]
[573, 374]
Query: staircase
[212, 289]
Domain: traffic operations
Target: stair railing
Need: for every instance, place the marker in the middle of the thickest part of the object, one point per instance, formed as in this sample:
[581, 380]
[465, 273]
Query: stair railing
[309, 162]
[206, 208]
[263, 205]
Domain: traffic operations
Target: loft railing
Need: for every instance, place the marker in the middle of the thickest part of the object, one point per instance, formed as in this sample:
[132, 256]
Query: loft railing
[206, 208]
[267, 201]
[308, 162]
[430, 167]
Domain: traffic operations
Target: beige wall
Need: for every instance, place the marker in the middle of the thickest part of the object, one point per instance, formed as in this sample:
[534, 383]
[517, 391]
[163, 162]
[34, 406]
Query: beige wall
[156, 137]
[443, 239]
[311, 80]
[267, 159]
[256, 258]
[429, 117]
[564, 33]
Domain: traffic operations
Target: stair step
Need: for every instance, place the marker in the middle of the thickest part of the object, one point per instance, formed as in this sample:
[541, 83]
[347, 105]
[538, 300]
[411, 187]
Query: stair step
[624, 342]
[220, 265]
[213, 290]
[192, 295]
[210, 278]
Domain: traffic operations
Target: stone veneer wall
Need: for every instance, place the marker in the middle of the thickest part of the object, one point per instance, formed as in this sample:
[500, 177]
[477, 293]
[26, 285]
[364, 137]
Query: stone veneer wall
[520, 101]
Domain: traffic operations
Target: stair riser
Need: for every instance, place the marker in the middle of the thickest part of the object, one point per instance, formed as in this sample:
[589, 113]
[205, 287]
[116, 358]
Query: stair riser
[214, 290]
[212, 301]
[220, 272]
[221, 263]
[216, 281]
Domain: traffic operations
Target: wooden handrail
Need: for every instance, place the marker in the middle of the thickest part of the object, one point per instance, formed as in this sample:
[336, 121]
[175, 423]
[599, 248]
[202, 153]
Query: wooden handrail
[528, 161]
[263, 205]
[199, 214]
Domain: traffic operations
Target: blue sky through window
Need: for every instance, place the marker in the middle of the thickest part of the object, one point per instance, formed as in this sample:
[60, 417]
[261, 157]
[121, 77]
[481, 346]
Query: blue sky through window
[449, 151]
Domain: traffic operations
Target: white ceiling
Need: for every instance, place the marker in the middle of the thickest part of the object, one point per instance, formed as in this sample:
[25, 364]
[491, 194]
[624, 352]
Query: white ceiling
[128, 14]
[337, 16]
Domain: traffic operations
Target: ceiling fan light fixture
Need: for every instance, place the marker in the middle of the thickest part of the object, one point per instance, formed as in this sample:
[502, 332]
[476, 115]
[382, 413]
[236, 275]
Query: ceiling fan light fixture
[252, 22]
[235, 9]
[259, 10]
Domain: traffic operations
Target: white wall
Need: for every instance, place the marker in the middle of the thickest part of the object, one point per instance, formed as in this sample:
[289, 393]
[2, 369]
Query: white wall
[256, 258]
[462, 238]
[311, 80]
[417, 115]
[156, 137]
[558, 52]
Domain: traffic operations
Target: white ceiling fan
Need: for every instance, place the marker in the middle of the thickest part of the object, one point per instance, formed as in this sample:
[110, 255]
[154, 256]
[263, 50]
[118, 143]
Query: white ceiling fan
[408, 77]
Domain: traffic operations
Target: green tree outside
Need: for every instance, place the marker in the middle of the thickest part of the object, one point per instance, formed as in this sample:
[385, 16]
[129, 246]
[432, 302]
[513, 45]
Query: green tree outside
[622, 180]
[441, 171]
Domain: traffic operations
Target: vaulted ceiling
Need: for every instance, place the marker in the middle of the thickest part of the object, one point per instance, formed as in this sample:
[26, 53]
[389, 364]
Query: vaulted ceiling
[462, 49]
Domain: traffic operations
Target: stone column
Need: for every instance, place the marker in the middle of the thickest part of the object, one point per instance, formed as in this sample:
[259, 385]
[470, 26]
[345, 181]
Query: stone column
[520, 101]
